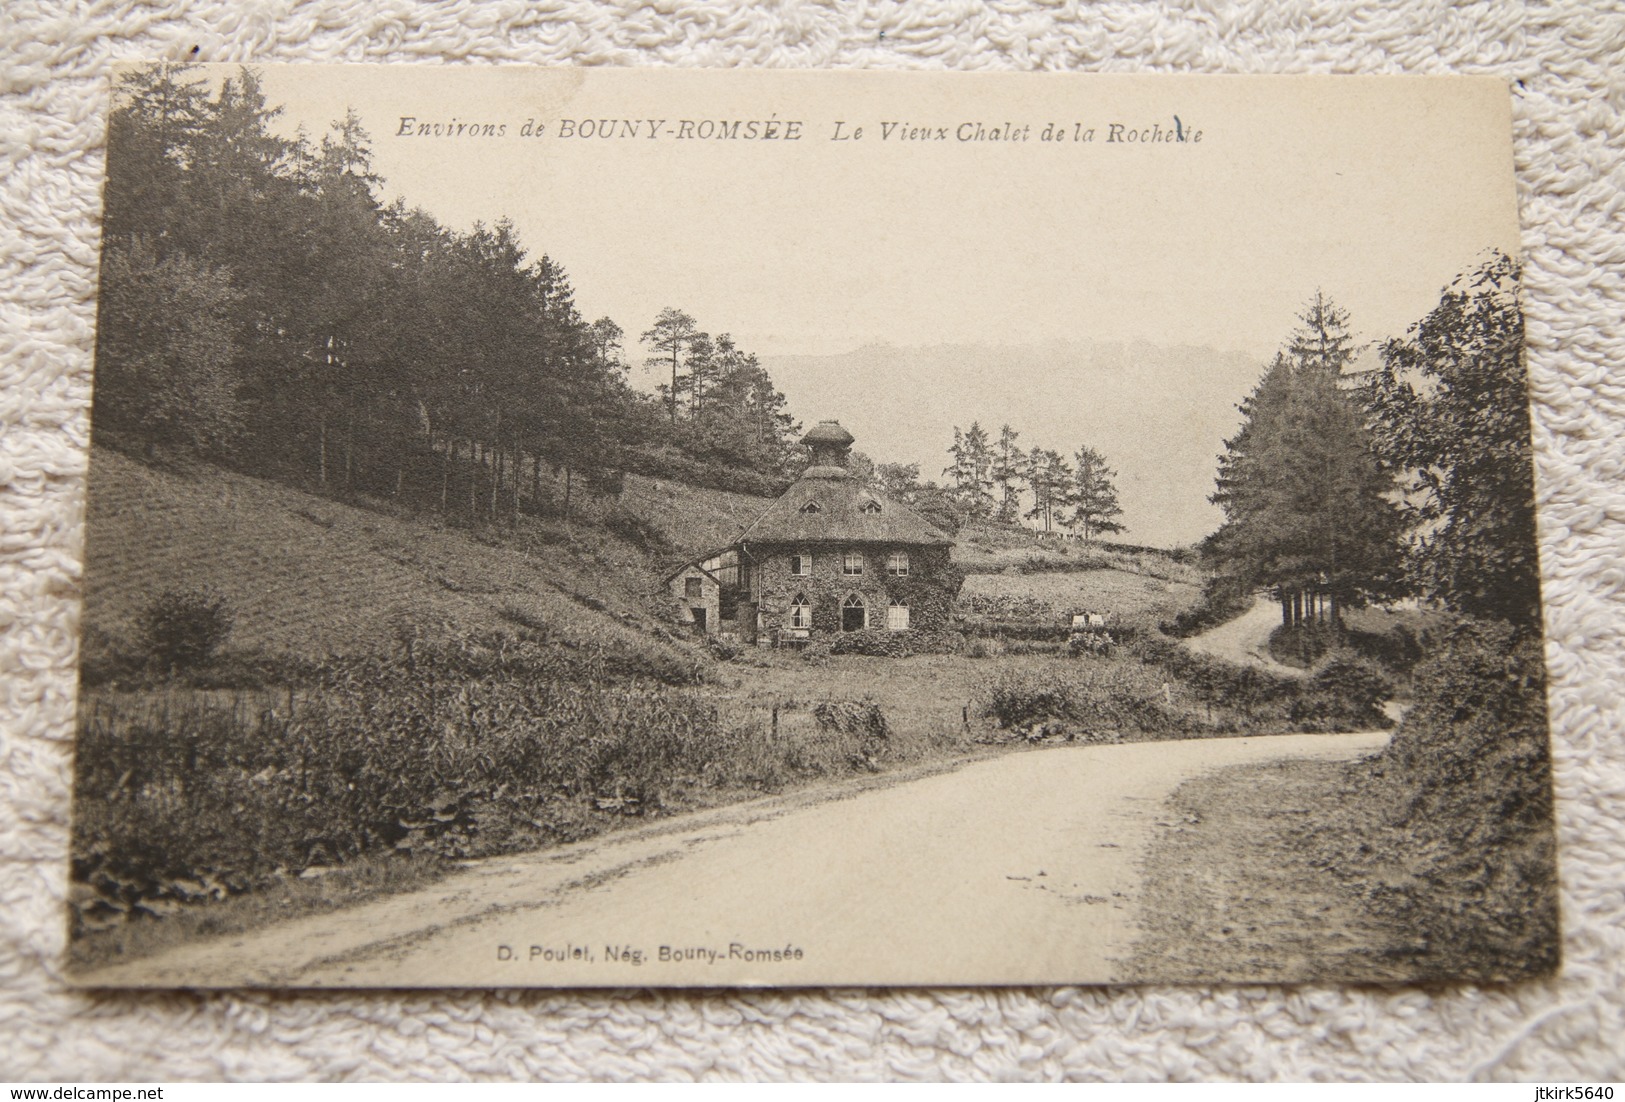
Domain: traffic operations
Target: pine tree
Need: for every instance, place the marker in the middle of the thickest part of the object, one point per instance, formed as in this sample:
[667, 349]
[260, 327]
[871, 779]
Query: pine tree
[1309, 509]
[1322, 342]
[1095, 507]
[1008, 473]
[972, 470]
[1051, 482]
[260, 301]
[671, 335]
[701, 373]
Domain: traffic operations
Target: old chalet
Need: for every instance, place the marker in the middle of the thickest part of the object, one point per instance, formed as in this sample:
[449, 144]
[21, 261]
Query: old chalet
[831, 555]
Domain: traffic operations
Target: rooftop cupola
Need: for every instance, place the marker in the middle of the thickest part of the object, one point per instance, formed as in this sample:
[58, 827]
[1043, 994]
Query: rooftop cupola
[831, 446]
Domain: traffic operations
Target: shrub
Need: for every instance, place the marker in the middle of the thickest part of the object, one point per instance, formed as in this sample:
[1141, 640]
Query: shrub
[183, 788]
[1051, 631]
[490, 745]
[1108, 697]
[1470, 776]
[816, 652]
[725, 650]
[183, 628]
[882, 643]
[1017, 699]
[1215, 681]
[1049, 647]
[1360, 684]
[862, 718]
[1398, 648]
[1100, 644]
[981, 647]
[872, 643]
[1222, 601]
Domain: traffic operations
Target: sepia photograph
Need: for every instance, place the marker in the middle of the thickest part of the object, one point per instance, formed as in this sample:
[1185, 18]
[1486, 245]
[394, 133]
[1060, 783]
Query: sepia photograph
[629, 528]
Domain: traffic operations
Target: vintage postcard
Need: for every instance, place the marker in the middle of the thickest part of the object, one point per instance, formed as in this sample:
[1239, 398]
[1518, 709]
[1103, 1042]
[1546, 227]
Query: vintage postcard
[630, 528]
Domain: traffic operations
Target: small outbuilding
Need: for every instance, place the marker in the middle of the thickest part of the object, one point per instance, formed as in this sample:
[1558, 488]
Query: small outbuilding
[707, 592]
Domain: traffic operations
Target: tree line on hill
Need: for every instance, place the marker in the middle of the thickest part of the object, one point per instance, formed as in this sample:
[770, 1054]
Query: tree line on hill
[1343, 488]
[260, 305]
[1000, 481]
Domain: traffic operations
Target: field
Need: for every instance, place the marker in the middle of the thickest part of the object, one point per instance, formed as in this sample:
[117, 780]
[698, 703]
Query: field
[984, 548]
[1120, 594]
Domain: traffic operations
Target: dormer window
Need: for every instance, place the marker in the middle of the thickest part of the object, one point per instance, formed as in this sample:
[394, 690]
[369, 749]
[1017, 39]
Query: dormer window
[871, 507]
[812, 507]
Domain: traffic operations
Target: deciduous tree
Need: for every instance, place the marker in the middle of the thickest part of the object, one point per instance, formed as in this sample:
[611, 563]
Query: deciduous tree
[1451, 411]
[165, 358]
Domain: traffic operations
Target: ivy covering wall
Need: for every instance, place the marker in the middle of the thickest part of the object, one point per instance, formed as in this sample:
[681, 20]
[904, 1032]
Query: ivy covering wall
[930, 587]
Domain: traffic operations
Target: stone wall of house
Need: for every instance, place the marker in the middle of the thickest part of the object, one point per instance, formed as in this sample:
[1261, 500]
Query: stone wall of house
[930, 587]
[709, 599]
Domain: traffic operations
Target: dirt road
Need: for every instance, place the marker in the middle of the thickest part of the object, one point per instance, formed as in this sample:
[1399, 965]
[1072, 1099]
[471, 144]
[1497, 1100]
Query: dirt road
[1017, 869]
[1246, 639]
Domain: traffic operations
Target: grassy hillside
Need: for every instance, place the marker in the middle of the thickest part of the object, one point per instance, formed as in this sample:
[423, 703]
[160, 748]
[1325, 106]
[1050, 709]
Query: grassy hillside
[305, 574]
[691, 520]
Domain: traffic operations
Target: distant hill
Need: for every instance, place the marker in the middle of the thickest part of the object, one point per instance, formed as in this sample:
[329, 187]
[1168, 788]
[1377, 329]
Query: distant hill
[310, 575]
[1159, 413]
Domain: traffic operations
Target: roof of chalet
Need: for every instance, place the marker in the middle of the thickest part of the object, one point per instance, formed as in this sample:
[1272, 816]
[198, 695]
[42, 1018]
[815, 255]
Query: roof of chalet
[840, 517]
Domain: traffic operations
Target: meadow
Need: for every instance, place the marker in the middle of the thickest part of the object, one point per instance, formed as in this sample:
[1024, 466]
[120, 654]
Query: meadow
[1123, 596]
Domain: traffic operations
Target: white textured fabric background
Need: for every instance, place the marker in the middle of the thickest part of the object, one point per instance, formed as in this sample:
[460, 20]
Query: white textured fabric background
[1569, 62]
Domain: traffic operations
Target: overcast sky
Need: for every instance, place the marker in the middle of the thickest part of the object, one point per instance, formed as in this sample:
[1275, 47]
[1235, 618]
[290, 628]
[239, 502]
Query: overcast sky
[1377, 191]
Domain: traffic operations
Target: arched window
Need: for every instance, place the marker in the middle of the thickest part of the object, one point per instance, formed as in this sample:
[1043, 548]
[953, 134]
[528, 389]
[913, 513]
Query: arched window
[854, 614]
[897, 616]
[800, 613]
